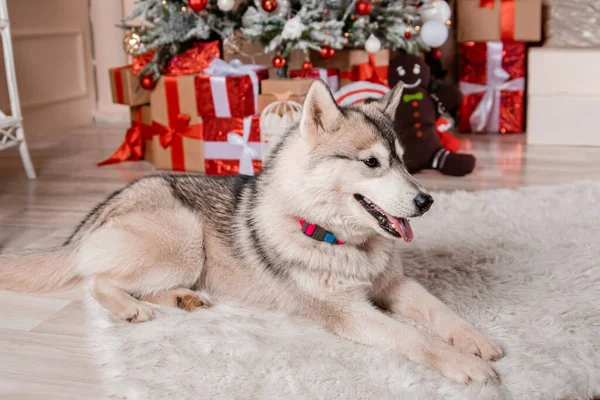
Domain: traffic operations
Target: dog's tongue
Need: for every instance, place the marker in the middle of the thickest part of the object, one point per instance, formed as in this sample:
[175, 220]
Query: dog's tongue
[403, 227]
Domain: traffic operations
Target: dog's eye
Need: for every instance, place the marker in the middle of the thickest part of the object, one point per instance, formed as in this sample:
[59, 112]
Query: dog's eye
[372, 162]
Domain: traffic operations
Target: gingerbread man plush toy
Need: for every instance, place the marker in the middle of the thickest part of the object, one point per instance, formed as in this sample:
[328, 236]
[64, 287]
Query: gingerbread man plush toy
[416, 118]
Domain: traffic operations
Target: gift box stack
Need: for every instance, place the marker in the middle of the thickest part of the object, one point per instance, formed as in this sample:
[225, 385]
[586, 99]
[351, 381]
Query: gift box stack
[564, 85]
[201, 115]
[492, 62]
[357, 65]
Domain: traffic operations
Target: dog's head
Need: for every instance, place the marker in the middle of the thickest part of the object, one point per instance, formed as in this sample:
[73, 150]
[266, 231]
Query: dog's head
[348, 169]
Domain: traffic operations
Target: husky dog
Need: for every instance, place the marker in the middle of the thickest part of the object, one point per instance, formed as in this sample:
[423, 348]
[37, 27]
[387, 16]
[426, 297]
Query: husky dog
[340, 173]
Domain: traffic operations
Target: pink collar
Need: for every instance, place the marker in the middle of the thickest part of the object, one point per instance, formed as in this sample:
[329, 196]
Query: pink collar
[318, 233]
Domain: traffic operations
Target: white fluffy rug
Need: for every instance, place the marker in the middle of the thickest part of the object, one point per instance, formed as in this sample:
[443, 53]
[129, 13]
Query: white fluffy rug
[523, 266]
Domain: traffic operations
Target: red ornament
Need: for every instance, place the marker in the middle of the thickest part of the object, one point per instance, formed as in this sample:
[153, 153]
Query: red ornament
[307, 65]
[279, 62]
[327, 52]
[269, 5]
[436, 54]
[408, 34]
[363, 7]
[147, 82]
[197, 5]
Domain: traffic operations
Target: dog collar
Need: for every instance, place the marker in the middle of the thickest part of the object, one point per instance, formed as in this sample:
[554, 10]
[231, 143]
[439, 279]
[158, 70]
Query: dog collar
[316, 232]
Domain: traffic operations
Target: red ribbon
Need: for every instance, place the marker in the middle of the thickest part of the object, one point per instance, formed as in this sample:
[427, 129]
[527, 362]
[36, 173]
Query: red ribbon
[179, 126]
[132, 148]
[368, 72]
[507, 17]
[119, 83]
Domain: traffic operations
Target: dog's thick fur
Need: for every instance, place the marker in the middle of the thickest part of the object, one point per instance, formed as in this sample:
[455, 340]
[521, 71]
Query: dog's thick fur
[162, 237]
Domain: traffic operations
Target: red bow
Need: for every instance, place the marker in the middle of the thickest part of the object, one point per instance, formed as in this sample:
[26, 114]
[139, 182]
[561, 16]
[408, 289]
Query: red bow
[507, 17]
[132, 148]
[180, 126]
[368, 72]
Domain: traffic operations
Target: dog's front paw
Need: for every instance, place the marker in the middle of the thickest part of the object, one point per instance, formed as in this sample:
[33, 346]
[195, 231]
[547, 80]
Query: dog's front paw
[465, 368]
[470, 340]
[137, 312]
[189, 302]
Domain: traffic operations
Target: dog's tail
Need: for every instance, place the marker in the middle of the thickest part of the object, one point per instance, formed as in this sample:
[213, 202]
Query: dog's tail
[39, 270]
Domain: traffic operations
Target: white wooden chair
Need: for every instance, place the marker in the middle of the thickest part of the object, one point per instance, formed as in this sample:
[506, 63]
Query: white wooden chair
[11, 126]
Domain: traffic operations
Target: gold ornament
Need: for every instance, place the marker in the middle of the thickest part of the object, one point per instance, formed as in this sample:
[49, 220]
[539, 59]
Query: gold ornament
[132, 42]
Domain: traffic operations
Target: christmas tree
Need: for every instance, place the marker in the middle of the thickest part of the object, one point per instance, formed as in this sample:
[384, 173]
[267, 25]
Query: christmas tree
[283, 26]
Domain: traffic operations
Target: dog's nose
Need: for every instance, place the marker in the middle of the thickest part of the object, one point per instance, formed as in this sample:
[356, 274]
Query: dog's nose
[423, 202]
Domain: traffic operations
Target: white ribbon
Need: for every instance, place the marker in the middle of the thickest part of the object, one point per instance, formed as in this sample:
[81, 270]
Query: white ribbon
[333, 81]
[219, 70]
[486, 116]
[248, 153]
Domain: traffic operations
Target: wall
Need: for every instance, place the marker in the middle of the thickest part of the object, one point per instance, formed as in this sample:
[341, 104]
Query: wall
[108, 52]
[51, 42]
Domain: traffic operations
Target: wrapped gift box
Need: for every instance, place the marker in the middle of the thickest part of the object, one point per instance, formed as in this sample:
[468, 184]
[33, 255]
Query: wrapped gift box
[132, 148]
[357, 65]
[331, 76]
[492, 80]
[563, 97]
[265, 99]
[192, 61]
[572, 23]
[125, 87]
[254, 53]
[499, 20]
[176, 127]
[232, 146]
[272, 90]
[229, 90]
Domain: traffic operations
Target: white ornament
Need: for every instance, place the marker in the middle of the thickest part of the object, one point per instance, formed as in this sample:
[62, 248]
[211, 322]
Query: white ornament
[225, 5]
[275, 119]
[438, 10]
[434, 33]
[372, 44]
[292, 29]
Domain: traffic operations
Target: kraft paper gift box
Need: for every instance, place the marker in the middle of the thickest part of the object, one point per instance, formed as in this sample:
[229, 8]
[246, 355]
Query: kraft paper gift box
[176, 127]
[254, 53]
[499, 20]
[294, 89]
[331, 76]
[125, 87]
[227, 90]
[357, 65]
[563, 97]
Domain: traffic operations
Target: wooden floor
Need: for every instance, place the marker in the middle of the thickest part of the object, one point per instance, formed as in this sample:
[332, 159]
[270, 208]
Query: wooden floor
[43, 352]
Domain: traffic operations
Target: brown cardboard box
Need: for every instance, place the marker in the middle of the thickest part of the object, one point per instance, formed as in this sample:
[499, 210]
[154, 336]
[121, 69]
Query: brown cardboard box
[292, 89]
[256, 55]
[480, 24]
[265, 99]
[186, 153]
[296, 86]
[345, 60]
[146, 119]
[125, 87]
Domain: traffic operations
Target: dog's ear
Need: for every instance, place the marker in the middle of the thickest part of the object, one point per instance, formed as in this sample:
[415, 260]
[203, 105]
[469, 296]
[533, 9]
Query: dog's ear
[320, 111]
[389, 103]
